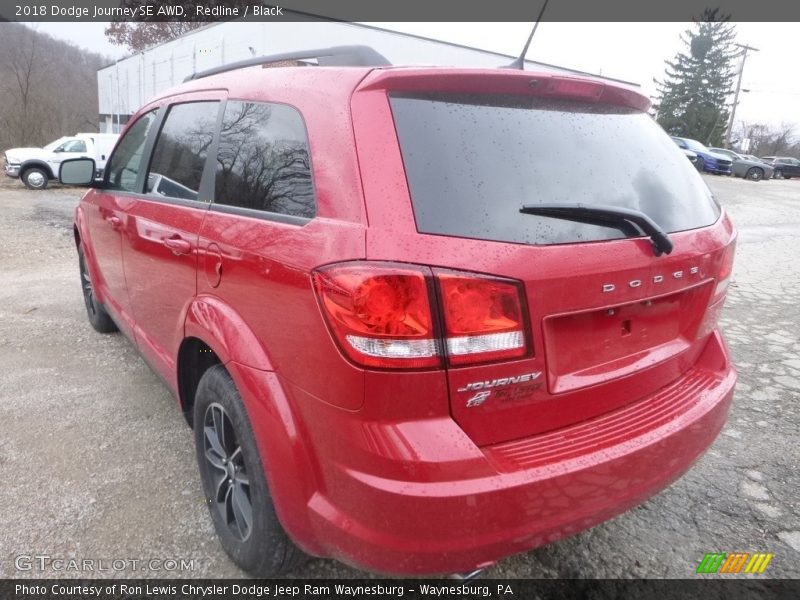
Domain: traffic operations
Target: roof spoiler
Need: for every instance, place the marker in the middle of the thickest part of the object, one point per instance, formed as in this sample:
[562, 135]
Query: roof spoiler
[337, 56]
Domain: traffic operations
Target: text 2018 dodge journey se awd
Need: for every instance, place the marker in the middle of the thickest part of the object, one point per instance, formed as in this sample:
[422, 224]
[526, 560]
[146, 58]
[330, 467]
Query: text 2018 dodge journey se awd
[420, 318]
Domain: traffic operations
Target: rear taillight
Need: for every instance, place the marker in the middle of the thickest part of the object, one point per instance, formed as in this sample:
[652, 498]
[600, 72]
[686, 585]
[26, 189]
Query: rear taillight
[379, 314]
[725, 270]
[483, 318]
[387, 315]
[711, 318]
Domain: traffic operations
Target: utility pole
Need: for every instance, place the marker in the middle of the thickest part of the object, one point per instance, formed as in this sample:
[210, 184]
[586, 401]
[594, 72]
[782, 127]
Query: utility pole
[745, 48]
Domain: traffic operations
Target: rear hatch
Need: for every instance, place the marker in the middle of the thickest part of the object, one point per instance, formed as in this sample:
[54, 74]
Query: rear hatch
[611, 321]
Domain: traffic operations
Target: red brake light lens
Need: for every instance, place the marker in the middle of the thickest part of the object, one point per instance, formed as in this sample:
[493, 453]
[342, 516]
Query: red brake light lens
[384, 315]
[483, 318]
[718, 297]
[576, 88]
[379, 314]
[726, 267]
[725, 270]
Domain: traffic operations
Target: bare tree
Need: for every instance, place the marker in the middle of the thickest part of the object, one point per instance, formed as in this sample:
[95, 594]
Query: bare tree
[140, 36]
[158, 28]
[768, 140]
[48, 88]
[22, 69]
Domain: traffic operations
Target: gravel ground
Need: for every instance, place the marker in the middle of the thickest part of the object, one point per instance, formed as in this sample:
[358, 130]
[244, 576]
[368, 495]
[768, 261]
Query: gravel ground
[97, 462]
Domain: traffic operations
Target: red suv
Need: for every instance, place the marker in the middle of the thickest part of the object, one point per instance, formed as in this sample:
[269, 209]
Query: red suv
[420, 318]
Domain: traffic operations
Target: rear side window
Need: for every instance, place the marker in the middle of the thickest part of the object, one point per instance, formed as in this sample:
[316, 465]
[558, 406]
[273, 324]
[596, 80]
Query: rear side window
[126, 162]
[263, 160]
[473, 161]
[179, 156]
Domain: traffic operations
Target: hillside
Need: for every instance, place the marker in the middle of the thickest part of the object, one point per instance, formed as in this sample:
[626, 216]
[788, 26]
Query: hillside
[48, 88]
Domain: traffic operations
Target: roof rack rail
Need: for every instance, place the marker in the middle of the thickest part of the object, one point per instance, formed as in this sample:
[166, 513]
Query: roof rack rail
[337, 56]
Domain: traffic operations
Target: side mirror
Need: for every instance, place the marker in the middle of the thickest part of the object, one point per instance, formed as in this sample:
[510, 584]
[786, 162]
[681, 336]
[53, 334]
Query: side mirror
[77, 171]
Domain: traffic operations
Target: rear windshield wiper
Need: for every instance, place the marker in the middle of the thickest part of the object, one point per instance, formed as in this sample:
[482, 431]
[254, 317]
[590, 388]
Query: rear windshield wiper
[623, 219]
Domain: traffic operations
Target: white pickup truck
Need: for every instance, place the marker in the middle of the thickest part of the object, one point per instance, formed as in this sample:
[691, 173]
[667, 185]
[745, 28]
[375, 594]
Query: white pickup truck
[37, 166]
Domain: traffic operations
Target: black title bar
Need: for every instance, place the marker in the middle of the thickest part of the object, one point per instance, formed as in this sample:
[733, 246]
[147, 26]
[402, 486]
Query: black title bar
[387, 589]
[392, 11]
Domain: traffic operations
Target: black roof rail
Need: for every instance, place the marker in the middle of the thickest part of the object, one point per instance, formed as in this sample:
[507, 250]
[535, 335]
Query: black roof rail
[337, 56]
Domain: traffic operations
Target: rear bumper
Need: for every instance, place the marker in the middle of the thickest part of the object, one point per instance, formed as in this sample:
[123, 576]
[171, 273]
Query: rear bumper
[517, 495]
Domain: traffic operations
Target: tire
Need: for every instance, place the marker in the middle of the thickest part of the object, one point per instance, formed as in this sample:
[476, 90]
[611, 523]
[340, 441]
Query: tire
[754, 174]
[233, 478]
[98, 317]
[700, 165]
[35, 178]
[777, 174]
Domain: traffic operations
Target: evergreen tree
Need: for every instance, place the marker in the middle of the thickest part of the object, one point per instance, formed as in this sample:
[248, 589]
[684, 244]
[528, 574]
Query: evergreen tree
[692, 98]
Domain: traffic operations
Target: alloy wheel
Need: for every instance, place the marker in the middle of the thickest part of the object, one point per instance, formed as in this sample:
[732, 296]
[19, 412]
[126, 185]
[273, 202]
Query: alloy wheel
[225, 460]
[88, 288]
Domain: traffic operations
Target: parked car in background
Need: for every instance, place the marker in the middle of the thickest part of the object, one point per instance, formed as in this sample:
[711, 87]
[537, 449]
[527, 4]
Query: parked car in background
[752, 168]
[693, 158]
[405, 334]
[709, 161]
[36, 167]
[785, 167]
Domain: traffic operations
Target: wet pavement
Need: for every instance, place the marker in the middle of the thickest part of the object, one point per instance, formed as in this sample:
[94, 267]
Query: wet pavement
[97, 462]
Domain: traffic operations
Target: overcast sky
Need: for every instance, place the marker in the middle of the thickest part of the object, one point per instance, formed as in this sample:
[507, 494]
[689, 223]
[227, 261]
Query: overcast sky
[630, 51]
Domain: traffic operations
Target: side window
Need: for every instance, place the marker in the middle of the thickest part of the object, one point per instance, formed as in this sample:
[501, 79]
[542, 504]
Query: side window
[72, 146]
[263, 160]
[126, 162]
[179, 156]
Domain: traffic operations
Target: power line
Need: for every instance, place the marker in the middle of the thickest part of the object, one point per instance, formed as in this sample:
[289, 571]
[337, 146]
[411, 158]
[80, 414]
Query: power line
[745, 48]
[778, 92]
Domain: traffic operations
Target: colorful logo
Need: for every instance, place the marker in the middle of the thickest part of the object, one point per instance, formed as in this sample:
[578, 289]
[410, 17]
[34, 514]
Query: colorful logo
[737, 562]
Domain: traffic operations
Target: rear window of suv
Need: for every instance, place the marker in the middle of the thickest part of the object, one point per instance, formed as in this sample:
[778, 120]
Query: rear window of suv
[473, 160]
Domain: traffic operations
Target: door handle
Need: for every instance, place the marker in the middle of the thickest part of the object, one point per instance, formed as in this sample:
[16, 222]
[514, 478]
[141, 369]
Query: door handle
[177, 245]
[114, 221]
